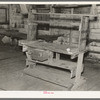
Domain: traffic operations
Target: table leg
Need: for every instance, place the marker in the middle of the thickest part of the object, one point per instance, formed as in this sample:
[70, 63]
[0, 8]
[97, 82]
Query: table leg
[80, 82]
[57, 56]
[50, 57]
[79, 66]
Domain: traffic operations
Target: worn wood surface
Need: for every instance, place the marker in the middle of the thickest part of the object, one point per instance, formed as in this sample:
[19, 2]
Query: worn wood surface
[95, 31]
[57, 56]
[53, 47]
[94, 55]
[94, 48]
[94, 36]
[63, 64]
[49, 74]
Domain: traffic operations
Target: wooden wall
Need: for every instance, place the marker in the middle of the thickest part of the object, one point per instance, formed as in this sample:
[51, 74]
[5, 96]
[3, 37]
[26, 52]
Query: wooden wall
[94, 37]
[4, 16]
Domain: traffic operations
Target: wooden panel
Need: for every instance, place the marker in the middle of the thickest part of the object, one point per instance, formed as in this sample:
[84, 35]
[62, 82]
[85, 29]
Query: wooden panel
[64, 64]
[94, 36]
[94, 26]
[55, 31]
[23, 30]
[97, 44]
[43, 32]
[65, 6]
[64, 24]
[95, 30]
[75, 33]
[39, 21]
[32, 30]
[94, 55]
[94, 48]
[54, 47]
[75, 40]
[51, 75]
[98, 7]
[38, 54]
[82, 10]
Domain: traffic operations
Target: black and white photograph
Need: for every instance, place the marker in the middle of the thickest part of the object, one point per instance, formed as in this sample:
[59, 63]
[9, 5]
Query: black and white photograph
[50, 47]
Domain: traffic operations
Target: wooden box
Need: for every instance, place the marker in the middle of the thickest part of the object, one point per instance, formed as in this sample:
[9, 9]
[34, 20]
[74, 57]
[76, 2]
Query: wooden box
[39, 55]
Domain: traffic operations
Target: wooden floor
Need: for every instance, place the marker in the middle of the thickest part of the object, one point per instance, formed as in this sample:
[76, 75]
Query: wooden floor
[12, 64]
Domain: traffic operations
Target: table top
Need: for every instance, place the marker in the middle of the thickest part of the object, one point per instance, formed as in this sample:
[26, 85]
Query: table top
[54, 47]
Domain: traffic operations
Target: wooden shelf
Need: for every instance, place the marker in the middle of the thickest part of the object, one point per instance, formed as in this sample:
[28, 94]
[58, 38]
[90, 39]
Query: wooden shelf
[64, 64]
[51, 75]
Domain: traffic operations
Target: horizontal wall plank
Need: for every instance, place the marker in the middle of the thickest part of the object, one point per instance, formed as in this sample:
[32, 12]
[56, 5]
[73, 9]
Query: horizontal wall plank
[94, 55]
[95, 30]
[94, 36]
[94, 48]
[97, 44]
[95, 25]
[98, 7]
[43, 32]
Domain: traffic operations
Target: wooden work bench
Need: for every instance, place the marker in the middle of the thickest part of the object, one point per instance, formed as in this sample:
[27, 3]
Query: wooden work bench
[46, 50]
[75, 68]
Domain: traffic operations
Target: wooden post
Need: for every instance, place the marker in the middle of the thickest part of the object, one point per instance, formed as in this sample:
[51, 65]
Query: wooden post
[57, 56]
[80, 82]
[50, 57]
[10, 17]
[79, 66]
[93, 9]
[32, 31]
